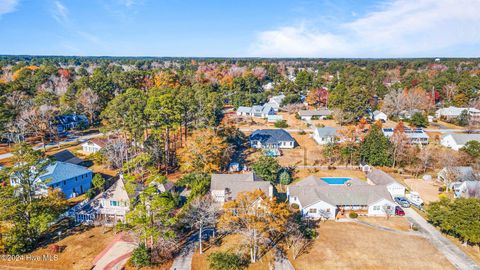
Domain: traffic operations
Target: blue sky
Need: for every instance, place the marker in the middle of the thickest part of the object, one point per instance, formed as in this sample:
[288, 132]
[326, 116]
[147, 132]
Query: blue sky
[266, 28]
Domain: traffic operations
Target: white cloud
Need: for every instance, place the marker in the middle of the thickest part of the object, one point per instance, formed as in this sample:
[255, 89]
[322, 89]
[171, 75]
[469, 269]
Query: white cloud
[60, 12]
[7, 6]
[398, 28]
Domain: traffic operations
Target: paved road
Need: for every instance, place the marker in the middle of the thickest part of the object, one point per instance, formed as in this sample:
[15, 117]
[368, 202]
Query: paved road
[281, 261]
[454, 254]
[243, 129]
[450, 130]
[183, 261]
[48, 146]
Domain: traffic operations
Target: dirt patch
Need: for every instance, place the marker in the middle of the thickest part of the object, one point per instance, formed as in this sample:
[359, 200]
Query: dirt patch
[339, 172]
[353, 246]
[428, 190]
[79, 250]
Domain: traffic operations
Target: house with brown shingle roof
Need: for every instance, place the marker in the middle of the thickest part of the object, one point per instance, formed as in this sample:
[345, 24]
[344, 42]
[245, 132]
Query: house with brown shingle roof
[94, 145]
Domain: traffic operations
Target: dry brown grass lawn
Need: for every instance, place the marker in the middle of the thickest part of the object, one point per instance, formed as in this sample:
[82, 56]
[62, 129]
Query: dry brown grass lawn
[397, 223]
[302, 173]
[354, 246]
[229, 243]
[427, 190]
[79, 251]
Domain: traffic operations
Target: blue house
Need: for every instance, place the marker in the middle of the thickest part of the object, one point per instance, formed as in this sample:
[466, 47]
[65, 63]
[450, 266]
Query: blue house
[71, 179]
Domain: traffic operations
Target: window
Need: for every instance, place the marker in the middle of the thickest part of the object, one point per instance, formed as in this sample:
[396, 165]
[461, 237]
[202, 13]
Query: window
[312, 210]
[113, 203]
[376, 207]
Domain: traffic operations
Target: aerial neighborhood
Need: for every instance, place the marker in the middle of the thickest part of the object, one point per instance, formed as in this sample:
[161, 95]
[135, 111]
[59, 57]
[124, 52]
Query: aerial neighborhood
[150, 163]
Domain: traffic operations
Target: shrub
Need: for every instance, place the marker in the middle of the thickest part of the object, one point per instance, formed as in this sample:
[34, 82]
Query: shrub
[281, 124]
[329, 117]
[302, 132]
[295, 206]
[141, 256]
[226, 261]
[353, 215]
[284, 178]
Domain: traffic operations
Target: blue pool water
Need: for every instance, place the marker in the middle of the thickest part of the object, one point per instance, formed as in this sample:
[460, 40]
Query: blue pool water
[335, 180]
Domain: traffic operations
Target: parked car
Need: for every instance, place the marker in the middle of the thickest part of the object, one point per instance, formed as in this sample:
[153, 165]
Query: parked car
[402, 201]
[399, 211]
[415, 200]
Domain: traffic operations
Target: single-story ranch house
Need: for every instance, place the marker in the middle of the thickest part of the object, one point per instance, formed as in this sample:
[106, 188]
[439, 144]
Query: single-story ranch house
[325, 135]
[226, 187]
[307, 115]
[256, 111]
[381, 178]
[414, 136]
[271, 139]
[453, 112]
[458, 140]
[326, 197]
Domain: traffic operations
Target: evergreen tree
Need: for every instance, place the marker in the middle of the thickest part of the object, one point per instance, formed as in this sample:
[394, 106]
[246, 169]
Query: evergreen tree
[375, 148]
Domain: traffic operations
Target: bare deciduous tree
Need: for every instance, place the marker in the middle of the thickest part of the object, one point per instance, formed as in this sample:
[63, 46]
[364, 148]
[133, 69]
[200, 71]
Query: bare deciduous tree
[116, 152]
[37, 121]
[202, 214]
[88, 101]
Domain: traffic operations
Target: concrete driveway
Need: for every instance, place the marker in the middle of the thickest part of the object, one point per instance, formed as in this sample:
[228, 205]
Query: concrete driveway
[454, 254]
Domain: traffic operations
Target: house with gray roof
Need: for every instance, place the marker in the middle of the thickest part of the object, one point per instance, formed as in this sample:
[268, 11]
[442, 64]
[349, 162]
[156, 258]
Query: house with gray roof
[317, 200]
[307, 115]
[261, 111]
[456, 141]
[454, 174]
[108, 207]
[467, 189]
[271, 139]
[226, 187]
[380, 178]
[414, 136]
[276, 101]
[67, 156]
[325, 135]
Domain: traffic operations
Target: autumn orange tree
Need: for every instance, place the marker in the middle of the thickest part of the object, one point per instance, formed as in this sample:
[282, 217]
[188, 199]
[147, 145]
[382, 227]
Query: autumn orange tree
[205, 152]
[261, 221]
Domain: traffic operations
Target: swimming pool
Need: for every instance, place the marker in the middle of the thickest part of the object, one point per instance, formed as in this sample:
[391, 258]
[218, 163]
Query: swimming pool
[335, 180]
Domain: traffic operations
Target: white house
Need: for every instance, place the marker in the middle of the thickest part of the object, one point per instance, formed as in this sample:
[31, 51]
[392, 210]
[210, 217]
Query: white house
[276, 101]
[226, 187]
[256, 111]
[458, 140]
[467, 189]
[415, 136]
[316, 200]
[325, 135]
[244, 111]
[93, 145]
[307, 115]
[379, 116]
[453, 112]
[272, 139]
[381, 178]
